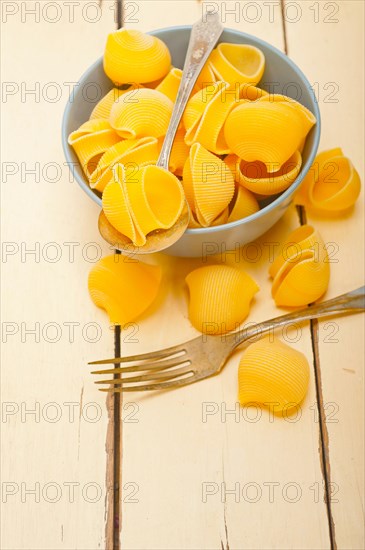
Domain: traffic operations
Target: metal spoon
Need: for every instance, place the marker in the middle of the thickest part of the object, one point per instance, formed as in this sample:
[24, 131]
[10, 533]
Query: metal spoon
[203, 37]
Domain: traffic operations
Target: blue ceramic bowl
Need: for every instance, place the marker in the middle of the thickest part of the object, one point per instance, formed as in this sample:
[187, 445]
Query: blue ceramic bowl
[281, 76]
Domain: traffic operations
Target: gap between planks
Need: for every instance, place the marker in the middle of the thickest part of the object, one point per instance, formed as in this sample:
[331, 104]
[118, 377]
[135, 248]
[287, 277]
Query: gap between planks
[314, 327]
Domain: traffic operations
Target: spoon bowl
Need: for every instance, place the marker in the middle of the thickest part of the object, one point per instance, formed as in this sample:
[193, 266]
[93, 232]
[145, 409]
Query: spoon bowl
[156, 240]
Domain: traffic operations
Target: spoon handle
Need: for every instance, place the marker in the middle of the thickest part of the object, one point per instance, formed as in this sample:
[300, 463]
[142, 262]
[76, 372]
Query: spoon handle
[203, 38]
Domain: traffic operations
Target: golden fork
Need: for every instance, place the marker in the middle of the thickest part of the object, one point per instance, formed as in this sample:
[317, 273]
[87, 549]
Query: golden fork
[206, 355]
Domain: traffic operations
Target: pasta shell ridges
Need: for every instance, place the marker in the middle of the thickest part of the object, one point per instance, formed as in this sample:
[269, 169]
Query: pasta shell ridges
[331, 185]
[238, 63]
[208, 184]
[263, 131]
[142, 201]
[124, 289]
[273, 373]
[132, 56]
[146, 115]
[301, 273]
[220, 297]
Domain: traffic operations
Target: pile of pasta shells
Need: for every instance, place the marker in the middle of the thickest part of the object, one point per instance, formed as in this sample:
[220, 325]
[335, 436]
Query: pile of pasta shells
[236, 144]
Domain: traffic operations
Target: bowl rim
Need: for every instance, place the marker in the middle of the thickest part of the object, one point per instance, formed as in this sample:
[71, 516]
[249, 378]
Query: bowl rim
[252, 217]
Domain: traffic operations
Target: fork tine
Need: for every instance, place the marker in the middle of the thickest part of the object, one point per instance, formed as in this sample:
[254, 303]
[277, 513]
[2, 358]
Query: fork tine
[160, 386]
[160, 365]
[141, 357]
[175, 373]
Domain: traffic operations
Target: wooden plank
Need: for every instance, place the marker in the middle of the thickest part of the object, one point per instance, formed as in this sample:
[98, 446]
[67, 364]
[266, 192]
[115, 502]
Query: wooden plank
[184, 444]
[261, 19]
[332, 59]
[59, 451]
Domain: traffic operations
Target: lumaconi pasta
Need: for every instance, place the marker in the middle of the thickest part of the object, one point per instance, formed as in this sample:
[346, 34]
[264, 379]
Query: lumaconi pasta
[273, 374]
[103, 107]
[220, 297]
[142, 113]
[117, 207]
[240, 63]
[179, 153]
[124, 289]
[133, 56]
[90, 141]
[244, 204]
[332, 184]
[205, 78]
[269, 132]
[170, 84]
[251, 93]
[255, 177]
[208, 184]
[301, 272]
[204, 123]
[135, 152]
[139, 201]
[207, 111]
[219, 220]
[307, 117]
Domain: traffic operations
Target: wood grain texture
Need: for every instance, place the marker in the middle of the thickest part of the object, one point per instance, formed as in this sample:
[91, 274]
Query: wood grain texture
[196, 471]
[336, 33]
[60, 450]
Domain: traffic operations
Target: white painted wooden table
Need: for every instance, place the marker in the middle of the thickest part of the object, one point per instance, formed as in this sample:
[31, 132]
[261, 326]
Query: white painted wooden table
[186, 469]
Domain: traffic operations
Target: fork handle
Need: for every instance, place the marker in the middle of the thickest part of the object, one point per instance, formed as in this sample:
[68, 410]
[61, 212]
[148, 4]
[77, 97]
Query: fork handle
[346, 303]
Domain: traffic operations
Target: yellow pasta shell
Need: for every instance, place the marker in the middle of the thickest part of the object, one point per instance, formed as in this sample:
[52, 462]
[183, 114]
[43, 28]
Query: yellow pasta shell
[193, 223]
[208, 130]
[170, 84]
[103, 107]
[139, 201]
[156, 197]
[237, 63]
[130, 152]
[124, 289]
[196, 106]
[208, 184]
[219, 220]
[255, 176]
[117, 207]
[205, 78]
[244, 204]
[303, 238]
[90, 142]
[307, 117]
[252, 93]
[132, 56]
[179, 153]
[207, 111]
[264, 131]
[273, 374]
[301, 272]
[220, 298]
[233, 162]
[332, 183]
[142, 113]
